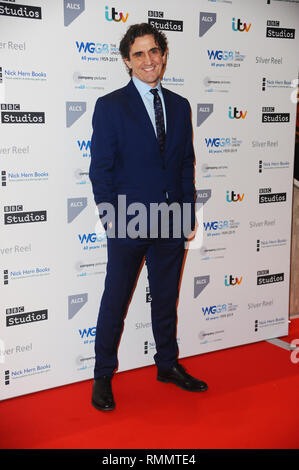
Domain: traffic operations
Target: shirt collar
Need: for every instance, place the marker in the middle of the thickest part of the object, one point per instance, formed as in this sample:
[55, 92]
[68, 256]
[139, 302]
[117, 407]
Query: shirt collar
[143, 87]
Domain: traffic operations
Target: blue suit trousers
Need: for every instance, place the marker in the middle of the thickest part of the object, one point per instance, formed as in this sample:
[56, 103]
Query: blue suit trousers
[164, 259]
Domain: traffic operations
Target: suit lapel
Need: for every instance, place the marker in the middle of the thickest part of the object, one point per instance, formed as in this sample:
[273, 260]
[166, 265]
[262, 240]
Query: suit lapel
[138, 109]
[140, 113]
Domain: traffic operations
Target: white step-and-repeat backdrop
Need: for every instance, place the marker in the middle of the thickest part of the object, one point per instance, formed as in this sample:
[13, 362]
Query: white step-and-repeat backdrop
[235, 61]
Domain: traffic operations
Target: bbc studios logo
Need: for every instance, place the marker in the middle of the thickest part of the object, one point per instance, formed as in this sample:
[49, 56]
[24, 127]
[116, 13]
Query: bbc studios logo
[16, 215]
[264, 277]
[156, 19]
[267, 197]
[275, 31]
[18, 316]
[21, 11]
[270, 116]
[11, 114]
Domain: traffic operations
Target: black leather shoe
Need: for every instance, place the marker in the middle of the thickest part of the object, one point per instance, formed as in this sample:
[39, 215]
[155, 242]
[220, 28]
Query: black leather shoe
[178, 376]
[102, 396]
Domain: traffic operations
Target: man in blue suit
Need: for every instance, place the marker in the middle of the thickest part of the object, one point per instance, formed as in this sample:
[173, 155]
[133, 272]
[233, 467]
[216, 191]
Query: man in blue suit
[142, 153]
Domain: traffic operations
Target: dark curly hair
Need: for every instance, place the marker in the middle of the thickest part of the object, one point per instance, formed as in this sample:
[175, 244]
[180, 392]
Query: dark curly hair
[139, 30]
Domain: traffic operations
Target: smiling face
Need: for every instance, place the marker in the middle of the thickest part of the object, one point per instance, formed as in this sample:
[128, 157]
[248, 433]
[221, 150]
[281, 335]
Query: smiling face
[146, 61]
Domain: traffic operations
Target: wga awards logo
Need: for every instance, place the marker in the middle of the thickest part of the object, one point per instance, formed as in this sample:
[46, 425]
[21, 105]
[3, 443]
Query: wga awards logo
[231, 196]
[115, 16]
[236, 114]
[239, 26]
[232, 281]
[84, 147]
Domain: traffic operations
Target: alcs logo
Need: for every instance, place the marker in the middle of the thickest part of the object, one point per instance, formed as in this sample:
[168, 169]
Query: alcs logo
[114, 13]
[240, 26]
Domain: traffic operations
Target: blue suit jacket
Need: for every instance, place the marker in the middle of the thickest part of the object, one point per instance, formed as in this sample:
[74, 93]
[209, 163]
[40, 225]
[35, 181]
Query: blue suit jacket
[125, 156]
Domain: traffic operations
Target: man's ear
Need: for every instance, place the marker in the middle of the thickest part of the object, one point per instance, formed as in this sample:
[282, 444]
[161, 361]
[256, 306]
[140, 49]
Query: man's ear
[164, 58]
[127, 64]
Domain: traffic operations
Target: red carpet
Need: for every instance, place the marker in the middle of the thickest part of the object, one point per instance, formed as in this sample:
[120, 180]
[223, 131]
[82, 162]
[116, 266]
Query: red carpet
[252, 403]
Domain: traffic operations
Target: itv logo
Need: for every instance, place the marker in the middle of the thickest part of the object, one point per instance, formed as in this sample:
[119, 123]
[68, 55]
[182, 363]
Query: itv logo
[115, 16]
[232, 281]
[231, 196]
[240, 26]
[235, 114]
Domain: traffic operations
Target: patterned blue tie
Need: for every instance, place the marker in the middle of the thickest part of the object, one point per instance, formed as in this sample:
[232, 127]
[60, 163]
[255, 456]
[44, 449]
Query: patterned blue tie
[160, 127]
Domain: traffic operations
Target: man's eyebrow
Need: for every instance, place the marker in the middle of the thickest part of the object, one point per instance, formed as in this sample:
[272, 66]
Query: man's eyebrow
[137, 52]
[141, 52]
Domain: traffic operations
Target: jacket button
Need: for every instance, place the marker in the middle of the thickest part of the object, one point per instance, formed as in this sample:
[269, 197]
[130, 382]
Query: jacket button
[163, 167]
